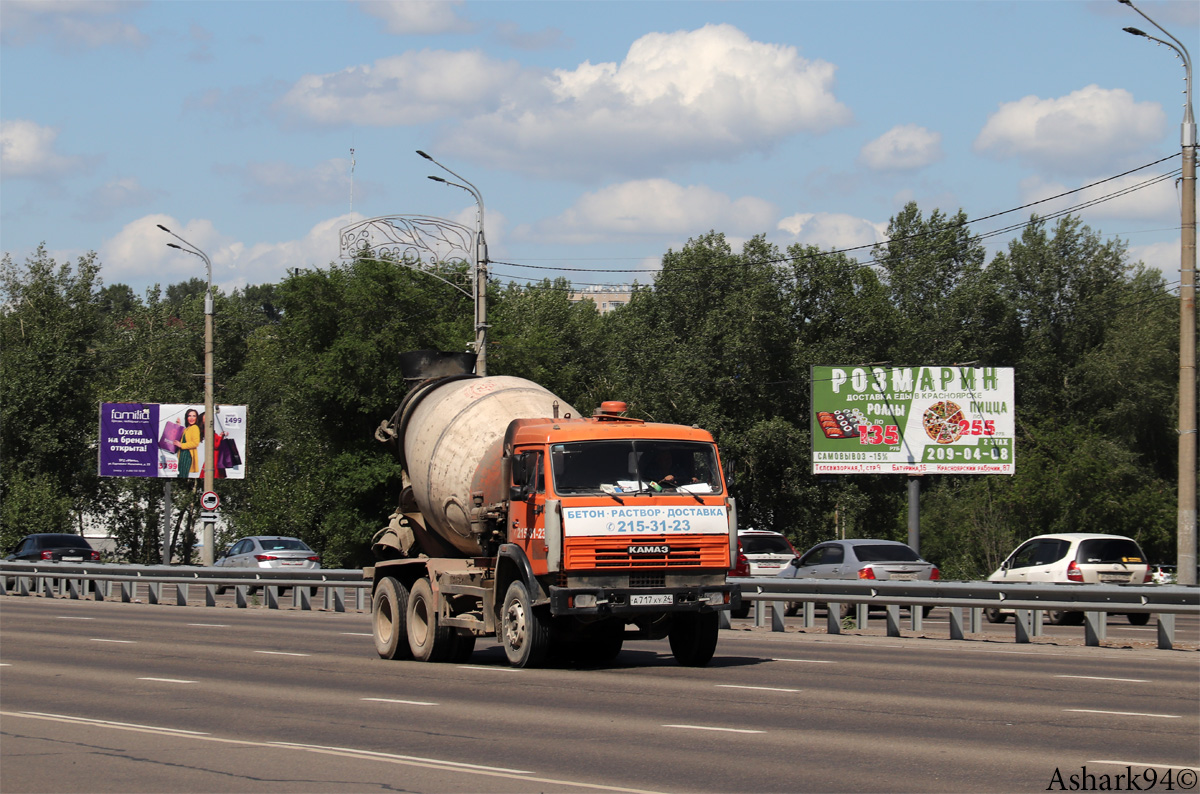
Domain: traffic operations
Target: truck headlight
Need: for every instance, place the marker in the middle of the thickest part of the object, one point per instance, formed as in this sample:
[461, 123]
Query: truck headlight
[585, 600]
[714, 599]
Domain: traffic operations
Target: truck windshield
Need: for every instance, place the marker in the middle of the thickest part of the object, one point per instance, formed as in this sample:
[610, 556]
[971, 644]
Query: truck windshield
[632, 467]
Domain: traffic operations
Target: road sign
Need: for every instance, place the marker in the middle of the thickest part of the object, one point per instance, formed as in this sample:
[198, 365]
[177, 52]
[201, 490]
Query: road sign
[209, 500]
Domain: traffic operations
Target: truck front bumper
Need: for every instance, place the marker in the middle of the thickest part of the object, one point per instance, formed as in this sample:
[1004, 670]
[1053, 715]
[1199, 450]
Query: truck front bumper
[605, 601]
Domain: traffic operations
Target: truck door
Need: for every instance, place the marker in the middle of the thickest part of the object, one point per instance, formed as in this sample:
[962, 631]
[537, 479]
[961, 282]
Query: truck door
[529, 513]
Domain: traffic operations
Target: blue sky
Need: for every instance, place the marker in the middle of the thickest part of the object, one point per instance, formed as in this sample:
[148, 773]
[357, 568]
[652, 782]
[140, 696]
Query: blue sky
[600, 134]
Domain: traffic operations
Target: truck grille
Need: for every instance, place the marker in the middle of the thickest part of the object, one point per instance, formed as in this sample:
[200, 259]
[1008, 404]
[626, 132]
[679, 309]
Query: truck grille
[608, 553]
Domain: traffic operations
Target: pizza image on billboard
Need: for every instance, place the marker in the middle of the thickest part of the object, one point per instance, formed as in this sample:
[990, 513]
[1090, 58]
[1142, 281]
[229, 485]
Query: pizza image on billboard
[943, 422]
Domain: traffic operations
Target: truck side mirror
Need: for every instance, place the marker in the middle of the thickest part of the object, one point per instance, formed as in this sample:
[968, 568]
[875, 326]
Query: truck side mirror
[520, 476]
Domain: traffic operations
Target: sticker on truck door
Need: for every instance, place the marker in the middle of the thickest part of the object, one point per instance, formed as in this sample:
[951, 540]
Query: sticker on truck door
[634, 521]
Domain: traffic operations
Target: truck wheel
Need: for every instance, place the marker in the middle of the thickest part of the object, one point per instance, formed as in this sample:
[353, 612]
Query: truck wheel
[389, 606]
[1138, 618]
[693, 638]
[525, 634]
[994, 615]
[428, 641]
[742, 611]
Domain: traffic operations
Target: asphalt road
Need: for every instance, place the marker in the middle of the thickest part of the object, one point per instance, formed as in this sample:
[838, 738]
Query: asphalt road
[133, 697]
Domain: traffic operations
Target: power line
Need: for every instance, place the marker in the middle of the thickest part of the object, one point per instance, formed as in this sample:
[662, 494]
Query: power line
[986, 235]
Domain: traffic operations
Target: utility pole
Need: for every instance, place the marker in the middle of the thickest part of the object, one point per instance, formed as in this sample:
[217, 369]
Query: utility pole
[1186, 518]
[481, 261]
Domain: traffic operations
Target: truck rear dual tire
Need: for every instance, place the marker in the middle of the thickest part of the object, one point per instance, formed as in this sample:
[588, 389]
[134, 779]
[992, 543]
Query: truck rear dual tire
[524, 631]
[389, 610]
[427, 639]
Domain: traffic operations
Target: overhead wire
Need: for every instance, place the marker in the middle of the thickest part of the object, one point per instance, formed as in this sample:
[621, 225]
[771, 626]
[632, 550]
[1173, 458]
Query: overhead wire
[877, 262]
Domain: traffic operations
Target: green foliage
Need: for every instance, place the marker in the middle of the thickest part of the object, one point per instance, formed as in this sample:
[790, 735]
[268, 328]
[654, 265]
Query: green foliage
[721, 338]
[31, 503]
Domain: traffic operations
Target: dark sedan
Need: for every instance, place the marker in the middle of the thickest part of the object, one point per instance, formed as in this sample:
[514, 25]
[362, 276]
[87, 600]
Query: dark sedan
[53, 547]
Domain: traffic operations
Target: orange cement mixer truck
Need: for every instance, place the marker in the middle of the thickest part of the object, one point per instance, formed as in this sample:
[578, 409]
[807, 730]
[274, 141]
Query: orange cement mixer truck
[558, 534]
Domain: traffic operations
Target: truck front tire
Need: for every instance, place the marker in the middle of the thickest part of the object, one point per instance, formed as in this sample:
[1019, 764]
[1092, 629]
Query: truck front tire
[693, 638]
[389, 607]
[428, 641]
[523, 630]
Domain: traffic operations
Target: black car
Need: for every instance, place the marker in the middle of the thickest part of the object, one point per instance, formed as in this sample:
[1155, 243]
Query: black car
[53, 547]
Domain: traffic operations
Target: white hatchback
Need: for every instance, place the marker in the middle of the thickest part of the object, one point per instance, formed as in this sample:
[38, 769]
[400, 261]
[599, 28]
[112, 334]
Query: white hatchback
[1074, 557]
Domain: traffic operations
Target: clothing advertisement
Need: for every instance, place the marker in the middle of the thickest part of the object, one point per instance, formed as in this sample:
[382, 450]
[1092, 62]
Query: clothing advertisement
[167, 440]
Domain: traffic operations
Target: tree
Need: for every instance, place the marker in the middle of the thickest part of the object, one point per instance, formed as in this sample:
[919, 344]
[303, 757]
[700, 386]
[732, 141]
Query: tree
[50, 321]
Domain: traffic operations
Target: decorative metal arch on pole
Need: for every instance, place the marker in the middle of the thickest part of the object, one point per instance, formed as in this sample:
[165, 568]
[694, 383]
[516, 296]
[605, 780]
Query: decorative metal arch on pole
[421, 242]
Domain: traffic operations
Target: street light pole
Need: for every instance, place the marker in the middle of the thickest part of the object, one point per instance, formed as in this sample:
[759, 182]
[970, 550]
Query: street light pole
[206, 536]
[481, 262]
[1186, 537]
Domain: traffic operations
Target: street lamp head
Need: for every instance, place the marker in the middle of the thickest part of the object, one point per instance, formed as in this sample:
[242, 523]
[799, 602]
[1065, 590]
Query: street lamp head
[437, 179]
[1136, 32]
[180, 247]
[427, 157]
[164, 228]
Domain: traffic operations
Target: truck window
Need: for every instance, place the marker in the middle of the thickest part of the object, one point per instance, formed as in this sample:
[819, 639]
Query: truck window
[631, 466]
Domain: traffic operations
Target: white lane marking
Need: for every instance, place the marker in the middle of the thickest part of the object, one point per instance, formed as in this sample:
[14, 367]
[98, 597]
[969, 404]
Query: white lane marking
[763, 688]
[1127, 713]
[458, 764]
[356, 634]
[806, 661]
[210, 625]
[402, 702]
[1103, 678]
[1191, 765]
[283, 653]
[167, 680]
[66, 617]
[125, 642]
[427, 763]
[481, 667]
[5, 664]
[712, 728]
[110, 723]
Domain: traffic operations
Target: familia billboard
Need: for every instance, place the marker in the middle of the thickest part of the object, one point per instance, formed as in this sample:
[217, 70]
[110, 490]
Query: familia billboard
[167, 440]
[912, 420]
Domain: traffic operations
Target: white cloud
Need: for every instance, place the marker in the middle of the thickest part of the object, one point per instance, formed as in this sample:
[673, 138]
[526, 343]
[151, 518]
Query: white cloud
[711, 93]
[72, 23]
[279, 182]
[655, 207]
[836, 231]
[27, 150]
[116, 194]
[1161, 256]
[411, 88]
[1079, 132]
[907, 147]
[409, 17]
[1157, 201]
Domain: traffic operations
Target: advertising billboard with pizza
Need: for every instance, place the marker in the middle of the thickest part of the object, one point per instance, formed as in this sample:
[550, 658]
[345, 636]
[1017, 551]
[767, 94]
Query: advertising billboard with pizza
[912, 420]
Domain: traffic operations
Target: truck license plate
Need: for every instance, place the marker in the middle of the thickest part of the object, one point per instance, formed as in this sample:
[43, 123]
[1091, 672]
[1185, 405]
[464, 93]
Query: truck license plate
[655, 600]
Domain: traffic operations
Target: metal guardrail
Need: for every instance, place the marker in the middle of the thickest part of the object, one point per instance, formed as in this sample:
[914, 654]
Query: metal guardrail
[77, 580]
[1028, 600]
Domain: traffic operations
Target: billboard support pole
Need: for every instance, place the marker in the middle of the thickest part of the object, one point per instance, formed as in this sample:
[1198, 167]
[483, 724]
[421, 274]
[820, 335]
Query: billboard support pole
[167, 507]
[914, 513]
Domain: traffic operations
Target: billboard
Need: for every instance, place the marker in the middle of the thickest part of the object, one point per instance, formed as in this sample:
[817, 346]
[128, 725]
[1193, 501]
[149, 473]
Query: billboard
[167, 440]
[912, 420]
